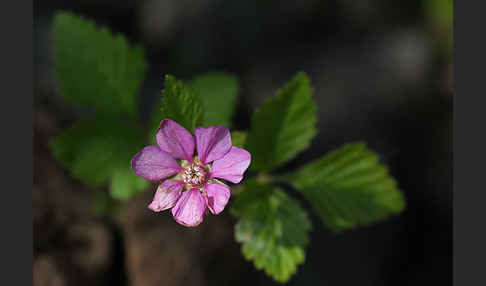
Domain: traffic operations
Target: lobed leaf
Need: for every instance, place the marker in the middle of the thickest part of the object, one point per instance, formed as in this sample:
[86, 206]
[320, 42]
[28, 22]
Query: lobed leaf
[96, 68]
[272, 228]
[349, 187]
[283, 126]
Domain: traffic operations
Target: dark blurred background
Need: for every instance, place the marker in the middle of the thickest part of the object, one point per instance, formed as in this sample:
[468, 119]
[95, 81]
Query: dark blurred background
[382, 72]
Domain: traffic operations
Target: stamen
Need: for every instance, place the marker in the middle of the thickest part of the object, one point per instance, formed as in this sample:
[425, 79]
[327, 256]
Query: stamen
[195, 174]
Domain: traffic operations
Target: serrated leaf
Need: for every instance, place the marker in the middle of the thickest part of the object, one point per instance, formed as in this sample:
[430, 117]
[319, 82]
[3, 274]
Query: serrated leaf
[349, 187]
[283, 126]
[95, 149]
[218, 93]
[273, 229]
[125, 184]
[96, 68]
[180, 104]
[238, 138]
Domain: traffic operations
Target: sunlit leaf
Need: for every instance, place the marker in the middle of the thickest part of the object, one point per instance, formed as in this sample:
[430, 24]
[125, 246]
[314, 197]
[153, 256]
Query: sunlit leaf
[272, 228]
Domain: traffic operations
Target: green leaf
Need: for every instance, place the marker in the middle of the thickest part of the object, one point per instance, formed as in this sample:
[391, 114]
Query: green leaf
[125, 184]
[180, 105]
[95, 150]
[96, 68]
[283, 126]
[218, 93]
[238, 138]
[273, 229]
[349, 187]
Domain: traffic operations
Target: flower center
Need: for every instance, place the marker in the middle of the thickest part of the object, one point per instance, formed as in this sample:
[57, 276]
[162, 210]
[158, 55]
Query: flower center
[195, 174]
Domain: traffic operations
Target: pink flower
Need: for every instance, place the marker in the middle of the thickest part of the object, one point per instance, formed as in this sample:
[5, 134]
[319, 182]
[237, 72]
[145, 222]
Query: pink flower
[193, 185]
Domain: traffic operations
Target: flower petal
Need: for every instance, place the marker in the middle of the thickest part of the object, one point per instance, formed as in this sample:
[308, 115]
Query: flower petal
[212, 142]
[190, 207]
[217, 197]
[175, 140]
[232, 166]
[166, 195]
[154, 164]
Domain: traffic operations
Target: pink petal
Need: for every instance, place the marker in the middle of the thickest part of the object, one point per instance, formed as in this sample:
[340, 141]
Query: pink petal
[175, 140]
[154, 164]
[190, 207]
[217, 197]
[166, 195]
[212, 142]
[232, 166]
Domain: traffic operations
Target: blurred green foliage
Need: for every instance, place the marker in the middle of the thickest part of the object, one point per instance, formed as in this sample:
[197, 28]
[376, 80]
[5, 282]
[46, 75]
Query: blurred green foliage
[238, 138]
[95, 68]
[102, 71]
[124, 185]
[440, 11]
[97, 148]
[440, 17]
[218, 93]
